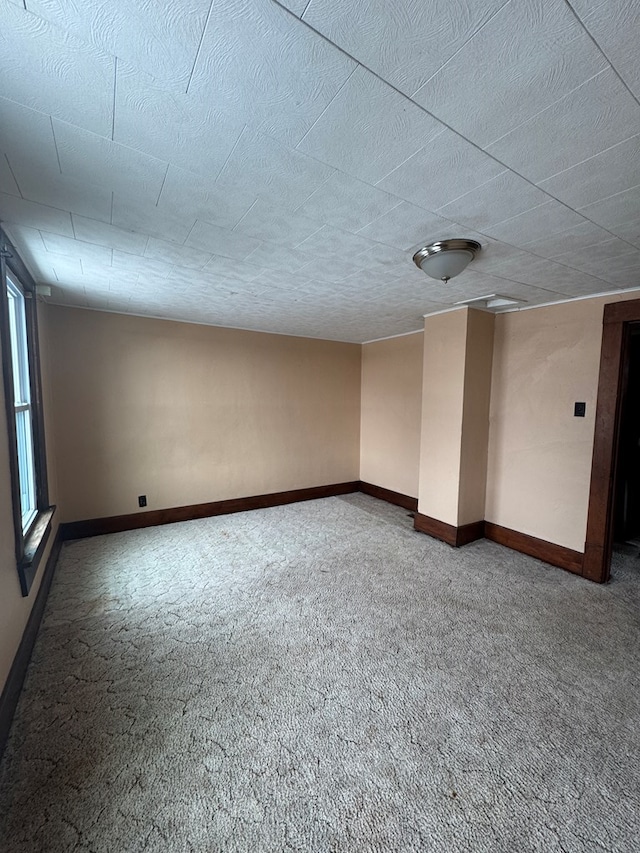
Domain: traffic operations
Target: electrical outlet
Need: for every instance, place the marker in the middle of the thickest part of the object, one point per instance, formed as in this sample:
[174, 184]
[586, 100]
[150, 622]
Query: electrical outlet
[142, 500]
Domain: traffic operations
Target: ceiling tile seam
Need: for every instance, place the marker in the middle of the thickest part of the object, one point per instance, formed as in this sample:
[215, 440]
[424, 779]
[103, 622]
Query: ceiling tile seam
[462, 46]
[475, 145]
[246, 213]
[306, 9]
[229, 155]
[49, 207]
[546, 109]
[111, 211]
[13, 175]
[406, 159]
[593, 156]
[340, 88]
[55, 142]
[199, 48]
[164, 179]
[113, 107]
[595, 42]
[537, 286]
[605, 198]
[517, 215]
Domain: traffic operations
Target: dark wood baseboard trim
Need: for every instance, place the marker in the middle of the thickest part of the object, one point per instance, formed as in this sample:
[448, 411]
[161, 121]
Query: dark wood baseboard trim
[390, 496]
[454, 536]
[548, 552]
[15, 679]
[118, 523]
[469, 533]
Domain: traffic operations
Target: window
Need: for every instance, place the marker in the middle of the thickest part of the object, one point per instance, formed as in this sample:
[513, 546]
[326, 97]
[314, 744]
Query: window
[21, 374]
[22, 403]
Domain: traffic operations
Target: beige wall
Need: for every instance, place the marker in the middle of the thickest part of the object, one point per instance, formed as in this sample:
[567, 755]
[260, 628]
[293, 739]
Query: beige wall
[14, 609]
[391, 400]
[539, 464]
[475, 417]
[442, 405]
[188, 414]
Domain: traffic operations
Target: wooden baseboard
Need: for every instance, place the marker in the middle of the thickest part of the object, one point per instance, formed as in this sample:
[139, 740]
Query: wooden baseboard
[454, 536]
[136, 520]
[548, 552]
[390, 496]
[15, 679]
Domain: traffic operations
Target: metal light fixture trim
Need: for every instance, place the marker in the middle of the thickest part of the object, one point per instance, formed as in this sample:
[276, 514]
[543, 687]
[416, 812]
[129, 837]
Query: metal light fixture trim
[440, 248]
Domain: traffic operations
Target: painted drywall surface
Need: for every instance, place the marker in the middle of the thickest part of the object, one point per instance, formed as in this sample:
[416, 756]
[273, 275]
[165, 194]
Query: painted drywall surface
[391, 410]
[539, 461]
[14, 609]
[475, 416]
[442, 405]
[188, 414]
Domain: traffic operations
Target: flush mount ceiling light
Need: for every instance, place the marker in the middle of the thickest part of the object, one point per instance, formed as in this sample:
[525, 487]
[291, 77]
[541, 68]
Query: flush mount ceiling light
[446, 258]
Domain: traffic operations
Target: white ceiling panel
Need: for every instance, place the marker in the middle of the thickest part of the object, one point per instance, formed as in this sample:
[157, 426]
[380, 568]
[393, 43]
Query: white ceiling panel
[235, 271]
[259, 60]
[406, 225]
[50, 187]
[571, 242]
[615, 25]
[617, 210]
[404, 42]
[542, 221]
[589, 257]
[276, 257]
[93, 231]
[7, 181]
[260, 165]
[344, 202]
[530, 54]
[21, 212]
[255, 169]
[597, 115]
[629, 231]
[147, 268]
[163, 42]
[276, 225]
[220, 241]
[503, 197]
[329, 242]
[26, 137]
[442, 171]
[369, 128]
[162, 221]
[91, 158]
[47, 68]
[331, 270]
[90, 252]
[195, 197]
[610, 172]
[171, 253]
[179, 128]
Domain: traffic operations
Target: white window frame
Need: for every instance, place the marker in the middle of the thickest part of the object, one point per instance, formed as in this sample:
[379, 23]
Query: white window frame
[32, 513]
[22, 407]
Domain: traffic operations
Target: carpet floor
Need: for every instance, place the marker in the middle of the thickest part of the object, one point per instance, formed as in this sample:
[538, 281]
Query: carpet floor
[320, 677]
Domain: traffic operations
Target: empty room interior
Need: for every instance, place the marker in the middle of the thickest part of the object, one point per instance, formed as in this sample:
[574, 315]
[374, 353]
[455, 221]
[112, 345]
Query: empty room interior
[319, 468]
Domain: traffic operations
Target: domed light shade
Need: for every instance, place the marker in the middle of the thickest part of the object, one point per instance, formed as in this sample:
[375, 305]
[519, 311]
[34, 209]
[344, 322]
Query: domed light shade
[446, 258]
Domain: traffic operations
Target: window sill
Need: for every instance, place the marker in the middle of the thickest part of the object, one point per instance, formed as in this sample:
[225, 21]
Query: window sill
[34, 545]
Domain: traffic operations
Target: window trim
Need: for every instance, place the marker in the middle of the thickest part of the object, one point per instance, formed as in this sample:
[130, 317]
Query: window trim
[29, 544]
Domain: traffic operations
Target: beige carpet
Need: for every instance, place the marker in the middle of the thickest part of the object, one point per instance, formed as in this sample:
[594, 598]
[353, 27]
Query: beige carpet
[319, 677]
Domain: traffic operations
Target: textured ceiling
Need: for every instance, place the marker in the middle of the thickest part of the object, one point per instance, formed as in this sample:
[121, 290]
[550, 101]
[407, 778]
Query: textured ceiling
[273, 166]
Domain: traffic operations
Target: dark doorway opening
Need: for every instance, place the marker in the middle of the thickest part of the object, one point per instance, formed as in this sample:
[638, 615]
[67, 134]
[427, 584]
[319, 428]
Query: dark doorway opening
[626, 512]
[612, 508]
